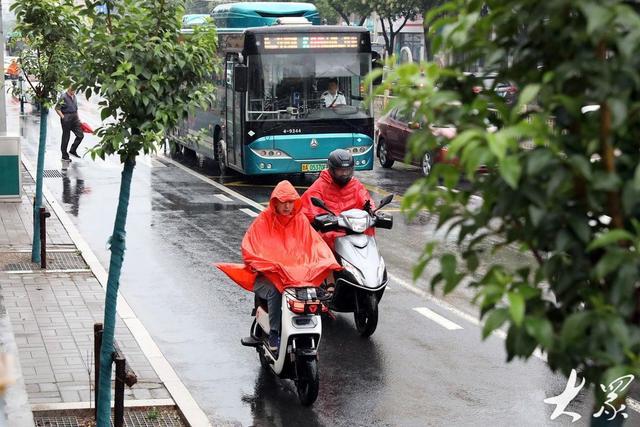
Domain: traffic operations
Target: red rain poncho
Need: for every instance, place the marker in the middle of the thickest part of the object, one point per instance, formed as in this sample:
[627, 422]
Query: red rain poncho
[286, 249]
[339, 199]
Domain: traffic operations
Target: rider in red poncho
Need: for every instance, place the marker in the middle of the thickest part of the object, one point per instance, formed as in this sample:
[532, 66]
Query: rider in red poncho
[281, 249]
[339, 190]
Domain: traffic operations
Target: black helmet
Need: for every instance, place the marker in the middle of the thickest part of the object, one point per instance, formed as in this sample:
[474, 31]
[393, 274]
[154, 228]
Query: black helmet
[340, 164]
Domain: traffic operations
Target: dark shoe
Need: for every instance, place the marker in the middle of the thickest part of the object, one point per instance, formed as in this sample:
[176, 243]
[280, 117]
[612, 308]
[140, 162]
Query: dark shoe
[74, 154]
[274, 343]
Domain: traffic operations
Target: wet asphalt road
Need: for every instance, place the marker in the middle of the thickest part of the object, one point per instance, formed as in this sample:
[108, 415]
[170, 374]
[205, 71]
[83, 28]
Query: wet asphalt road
[412, 372]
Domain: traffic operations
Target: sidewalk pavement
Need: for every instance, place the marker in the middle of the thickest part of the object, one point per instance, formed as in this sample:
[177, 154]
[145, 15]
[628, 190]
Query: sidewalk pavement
[52, 314]
[47, 318]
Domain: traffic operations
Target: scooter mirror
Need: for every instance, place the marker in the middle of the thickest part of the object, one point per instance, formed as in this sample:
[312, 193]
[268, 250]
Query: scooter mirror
[319, 203]
[385, 201]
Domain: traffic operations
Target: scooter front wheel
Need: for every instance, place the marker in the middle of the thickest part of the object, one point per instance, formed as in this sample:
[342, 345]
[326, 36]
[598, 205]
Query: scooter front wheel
[308, 381]
[367, 318]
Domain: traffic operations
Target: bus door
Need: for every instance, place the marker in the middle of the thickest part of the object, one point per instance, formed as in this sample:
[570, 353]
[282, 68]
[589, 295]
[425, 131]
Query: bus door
[233, 131]
[230, 113]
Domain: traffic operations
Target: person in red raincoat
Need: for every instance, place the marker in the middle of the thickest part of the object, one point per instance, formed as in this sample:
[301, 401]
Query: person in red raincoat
[281, 249]
[339, 190]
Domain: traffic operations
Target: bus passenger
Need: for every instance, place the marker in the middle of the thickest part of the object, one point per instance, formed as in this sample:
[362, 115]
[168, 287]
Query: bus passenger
[332, 96]
[339, 190]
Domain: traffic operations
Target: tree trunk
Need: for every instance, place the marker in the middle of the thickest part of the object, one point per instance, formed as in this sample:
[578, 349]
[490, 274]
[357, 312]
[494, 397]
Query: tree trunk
[427, 41]
[113, 282]
[386, 38]
[42, 144]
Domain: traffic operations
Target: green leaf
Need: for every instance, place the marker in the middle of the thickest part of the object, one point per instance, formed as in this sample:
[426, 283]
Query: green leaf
[581, 164]
[448, 266]
[636, 178]
[104, 113]
[608, 264]
[472, 261]
[536, 214]
[527, 95]
[609, 237]
[538, 160]
[510, 171]
[516, 307]
[498, 144]
[618, 112]
[597, 16]
[495, 319]
[574, 328]
[541, 329]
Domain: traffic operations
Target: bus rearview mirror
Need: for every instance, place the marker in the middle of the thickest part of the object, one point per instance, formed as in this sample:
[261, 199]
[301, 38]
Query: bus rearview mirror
[240, 77]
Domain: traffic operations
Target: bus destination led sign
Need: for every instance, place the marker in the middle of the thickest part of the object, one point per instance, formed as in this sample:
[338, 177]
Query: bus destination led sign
[311, 42]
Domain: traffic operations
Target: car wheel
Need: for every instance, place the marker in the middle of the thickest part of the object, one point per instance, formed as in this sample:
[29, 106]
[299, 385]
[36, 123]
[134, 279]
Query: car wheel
[383, 155]
[427, 164]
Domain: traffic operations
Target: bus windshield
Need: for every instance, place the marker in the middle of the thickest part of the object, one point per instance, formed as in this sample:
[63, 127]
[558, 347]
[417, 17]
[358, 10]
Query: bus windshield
[302, 86]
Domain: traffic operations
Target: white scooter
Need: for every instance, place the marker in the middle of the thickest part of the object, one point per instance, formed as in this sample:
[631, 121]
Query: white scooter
[297, 357]
[359, 287]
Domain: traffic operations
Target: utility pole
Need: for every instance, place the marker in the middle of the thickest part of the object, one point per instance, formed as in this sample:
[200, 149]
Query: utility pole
[3, 106]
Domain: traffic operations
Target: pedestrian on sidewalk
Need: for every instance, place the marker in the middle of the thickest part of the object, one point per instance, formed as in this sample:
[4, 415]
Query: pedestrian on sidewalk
[67, 109]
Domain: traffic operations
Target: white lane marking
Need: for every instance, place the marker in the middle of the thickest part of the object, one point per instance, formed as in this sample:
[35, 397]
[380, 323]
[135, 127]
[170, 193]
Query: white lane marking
[633, 404]
[442, 321]
[445, 305]
[249, 212]
[438, 302]
[219, 186]
[182, 397]
[224, 198]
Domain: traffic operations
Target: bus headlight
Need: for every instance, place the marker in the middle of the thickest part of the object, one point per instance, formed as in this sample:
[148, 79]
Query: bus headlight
[358, 150]
[271, 154]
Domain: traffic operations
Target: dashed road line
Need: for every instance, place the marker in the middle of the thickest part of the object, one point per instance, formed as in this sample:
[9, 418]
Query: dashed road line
[224, 198]
[249, 212]
[216, 184]
[440, 320]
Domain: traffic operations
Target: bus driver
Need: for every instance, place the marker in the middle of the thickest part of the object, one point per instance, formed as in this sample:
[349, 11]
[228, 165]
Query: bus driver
[332, 96]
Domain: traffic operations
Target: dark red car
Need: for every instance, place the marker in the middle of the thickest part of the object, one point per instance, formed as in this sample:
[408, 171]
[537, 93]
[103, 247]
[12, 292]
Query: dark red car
[392, 134]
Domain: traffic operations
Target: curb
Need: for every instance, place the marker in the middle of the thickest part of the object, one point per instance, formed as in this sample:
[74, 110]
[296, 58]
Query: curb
[186, 404]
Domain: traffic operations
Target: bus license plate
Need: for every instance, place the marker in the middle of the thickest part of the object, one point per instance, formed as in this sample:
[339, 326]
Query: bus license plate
[313, 167]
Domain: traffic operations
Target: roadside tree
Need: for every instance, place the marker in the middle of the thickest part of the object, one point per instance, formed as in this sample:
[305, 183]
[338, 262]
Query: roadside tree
[393, 16]
[148, 79]
[360, 8]
[562, 181]
[48, 30]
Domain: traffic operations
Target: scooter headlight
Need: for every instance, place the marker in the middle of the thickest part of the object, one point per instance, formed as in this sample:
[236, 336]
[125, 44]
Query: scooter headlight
[382, 268]
[354, 271]
[359, 225]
